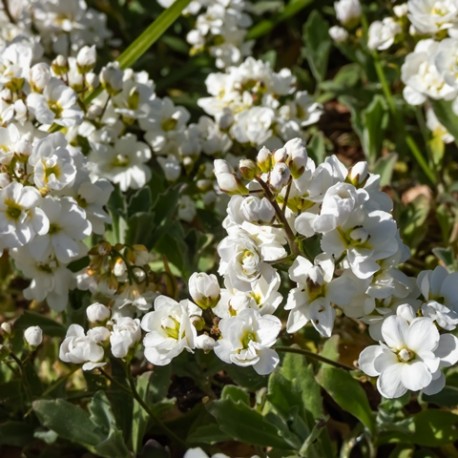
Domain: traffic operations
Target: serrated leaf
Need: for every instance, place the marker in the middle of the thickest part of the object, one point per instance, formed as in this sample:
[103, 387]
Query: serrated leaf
[339, 385]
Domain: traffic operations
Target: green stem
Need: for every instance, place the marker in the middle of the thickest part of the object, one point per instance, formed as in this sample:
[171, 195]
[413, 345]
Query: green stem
[133, 391]
[403, 134]
[281, 217]
[315, 356]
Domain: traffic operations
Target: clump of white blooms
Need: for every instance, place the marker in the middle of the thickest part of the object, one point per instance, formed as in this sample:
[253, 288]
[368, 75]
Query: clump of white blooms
[220, 27]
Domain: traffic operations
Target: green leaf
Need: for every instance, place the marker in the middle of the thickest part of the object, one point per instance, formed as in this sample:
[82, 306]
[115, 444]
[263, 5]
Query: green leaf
[151, 34]
[384, 167]
[140, 202]
[49, 326]
[430, 428]
[317, 44]
[446, 256]
[140, 229]
[375, 118]
[152, 386]
[413, 219]
[264, 27]
[317, 148]
[246, 425]
[205, 430]
[69, 421]
[295, 369]
[446, 116]
[96, 431]
[347, 393]
[236, 394]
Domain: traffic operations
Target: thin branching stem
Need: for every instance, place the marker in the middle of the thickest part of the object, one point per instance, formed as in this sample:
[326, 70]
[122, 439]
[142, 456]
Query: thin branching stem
[315, 356]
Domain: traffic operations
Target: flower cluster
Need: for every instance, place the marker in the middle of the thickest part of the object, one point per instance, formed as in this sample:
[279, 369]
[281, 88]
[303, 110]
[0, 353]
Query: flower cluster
[220, 27]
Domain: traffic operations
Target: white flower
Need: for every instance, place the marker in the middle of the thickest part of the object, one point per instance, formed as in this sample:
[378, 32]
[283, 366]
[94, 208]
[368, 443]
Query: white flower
[440, 290]
[169, 330]
[421, 76]
[21, 217]
[125, 334]
[383, 33]
[68, 227]
[257, 210]
[57, 103]
[33, 335]
[410, 357]
[432, 16]
[78, 348]
[53, 165]
[123, 163]
[204, 289]
[97, 312]
[246, 340]
[310, 301]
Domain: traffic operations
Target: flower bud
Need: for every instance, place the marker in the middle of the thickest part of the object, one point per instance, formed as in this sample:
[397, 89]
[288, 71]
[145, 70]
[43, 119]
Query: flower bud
[338, 34]
[39, 76]
[264, 160]
[227, 181]
[97, 313]
[111, 78]
[279, 176]
[297, 156]
[248, 169]
[85, 59]
[358, 174]
[348, 12]
[205, 342]
[6, 327]
[204, 289]
[60, 65]
[33, 335]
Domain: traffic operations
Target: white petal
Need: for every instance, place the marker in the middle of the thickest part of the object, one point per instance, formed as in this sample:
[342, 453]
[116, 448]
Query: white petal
[422, 335]
[367, 358]
[447, 350]
[415, 375]
[389, 383]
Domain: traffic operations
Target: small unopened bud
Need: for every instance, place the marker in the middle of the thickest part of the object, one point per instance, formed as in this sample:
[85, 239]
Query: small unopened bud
[280, 155]
[248, 169]
[264, 160]
[111, 78]
[33, 335]
[348, 12]
[279, 176]
[297, 154]
[204, 289]
[227, 181]
[6, 327]
[338, 34]
[97, 313]
[205, 342]
[60, 65]
[39, 76]
[358, 174]
[85, 59]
